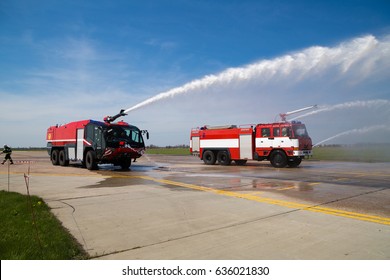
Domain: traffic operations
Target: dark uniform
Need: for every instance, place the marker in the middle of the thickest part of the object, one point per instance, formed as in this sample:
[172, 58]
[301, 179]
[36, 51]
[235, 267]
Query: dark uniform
[7, 151]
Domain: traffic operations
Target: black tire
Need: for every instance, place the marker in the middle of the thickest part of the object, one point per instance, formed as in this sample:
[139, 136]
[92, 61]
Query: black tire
[278, 159]
[295, 162]
[209, 157]
[62, 158]
[125, 164]
[240, 161]
[90, 160]
[223, 158]
[55, 157]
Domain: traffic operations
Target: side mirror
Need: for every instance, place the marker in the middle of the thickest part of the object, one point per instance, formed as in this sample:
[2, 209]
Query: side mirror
[145, 132]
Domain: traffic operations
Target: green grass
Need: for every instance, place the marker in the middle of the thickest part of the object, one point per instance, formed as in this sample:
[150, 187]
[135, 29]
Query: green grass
[169, 151]
[23, 239]
[355, 153]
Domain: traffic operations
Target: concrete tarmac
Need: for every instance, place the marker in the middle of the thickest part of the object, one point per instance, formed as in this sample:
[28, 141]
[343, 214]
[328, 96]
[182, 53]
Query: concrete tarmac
[175, 207]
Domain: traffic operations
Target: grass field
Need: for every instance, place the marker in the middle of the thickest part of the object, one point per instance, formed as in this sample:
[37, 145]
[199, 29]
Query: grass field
[355, 153]
[168, 151]
[29, 231]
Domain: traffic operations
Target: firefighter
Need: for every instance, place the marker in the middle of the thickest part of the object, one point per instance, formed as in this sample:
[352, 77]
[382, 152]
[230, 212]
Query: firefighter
[7, 151]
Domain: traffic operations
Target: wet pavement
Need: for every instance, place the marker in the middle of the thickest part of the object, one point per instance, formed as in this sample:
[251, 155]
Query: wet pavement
[175, 207]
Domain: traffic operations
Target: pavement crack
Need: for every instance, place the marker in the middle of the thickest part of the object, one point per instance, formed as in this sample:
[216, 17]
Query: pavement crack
[348, 197]
[75, 221]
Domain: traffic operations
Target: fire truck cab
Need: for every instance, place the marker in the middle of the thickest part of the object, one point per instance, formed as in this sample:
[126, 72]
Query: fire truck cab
[282, 143]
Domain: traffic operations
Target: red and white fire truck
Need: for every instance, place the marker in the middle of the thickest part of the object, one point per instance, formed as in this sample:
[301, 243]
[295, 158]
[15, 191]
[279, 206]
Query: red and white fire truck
[93, 142]
[282, 143]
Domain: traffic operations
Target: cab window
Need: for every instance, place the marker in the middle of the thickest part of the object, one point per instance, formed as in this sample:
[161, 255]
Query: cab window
[265, 132]
[276, 131]
[286, 132]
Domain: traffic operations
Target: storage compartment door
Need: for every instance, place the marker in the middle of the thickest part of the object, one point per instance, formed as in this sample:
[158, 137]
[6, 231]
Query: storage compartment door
[246, 146]
[80, 144]
[195, 144]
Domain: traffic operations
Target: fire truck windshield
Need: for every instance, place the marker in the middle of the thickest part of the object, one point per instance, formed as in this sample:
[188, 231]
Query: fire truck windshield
[131, 135]
[300, 131]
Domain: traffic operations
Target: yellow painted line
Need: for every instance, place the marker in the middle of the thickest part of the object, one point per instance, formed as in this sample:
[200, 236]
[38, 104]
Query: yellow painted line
[255, 193]
[341, 179]
[286, 188]
[306, 207]
[313, 184]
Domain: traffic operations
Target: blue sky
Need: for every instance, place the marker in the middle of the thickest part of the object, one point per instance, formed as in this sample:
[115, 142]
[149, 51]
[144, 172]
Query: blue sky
[62, 61]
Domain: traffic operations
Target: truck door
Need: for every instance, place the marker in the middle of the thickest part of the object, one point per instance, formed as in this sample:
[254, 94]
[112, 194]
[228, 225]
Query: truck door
[246, 146]
[98, 141]
[95, 139]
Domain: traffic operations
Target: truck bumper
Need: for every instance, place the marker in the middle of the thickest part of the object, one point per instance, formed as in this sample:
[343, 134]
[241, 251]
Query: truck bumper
[302, 153]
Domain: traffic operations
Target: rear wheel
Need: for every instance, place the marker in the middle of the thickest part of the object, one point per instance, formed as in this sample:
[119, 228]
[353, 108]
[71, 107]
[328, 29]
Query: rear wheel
[240, 161]
[90, 160]
[278, 159]
[55, 157]
[209, 157]
[62, 158]
[223, 158]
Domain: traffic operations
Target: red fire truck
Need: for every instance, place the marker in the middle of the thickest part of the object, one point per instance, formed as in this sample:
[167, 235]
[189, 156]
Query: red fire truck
[282, 143]
[93, 142]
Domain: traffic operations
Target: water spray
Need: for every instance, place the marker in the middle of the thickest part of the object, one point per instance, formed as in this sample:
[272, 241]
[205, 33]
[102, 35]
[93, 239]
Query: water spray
[284, 115]
[365, 51]
[354, 131]
[348, 105]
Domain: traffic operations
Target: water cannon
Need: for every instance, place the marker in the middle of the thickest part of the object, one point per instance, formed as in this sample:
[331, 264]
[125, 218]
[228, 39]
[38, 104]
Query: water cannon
[284, 115]
[110, 119]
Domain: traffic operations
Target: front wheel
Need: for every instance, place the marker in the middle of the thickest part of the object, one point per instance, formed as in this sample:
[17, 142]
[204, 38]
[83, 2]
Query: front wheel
[125, 164]
[90, 160]
[278, 159]
[295, 162]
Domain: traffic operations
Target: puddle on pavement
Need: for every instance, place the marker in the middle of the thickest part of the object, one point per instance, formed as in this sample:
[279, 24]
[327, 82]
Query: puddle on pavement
[119, 177]
[229, 182]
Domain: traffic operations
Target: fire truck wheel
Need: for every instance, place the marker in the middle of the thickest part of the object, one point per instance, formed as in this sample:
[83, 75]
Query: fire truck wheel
[55, 157]
[209, 157]
[223, 158]
[62, 159]
[125, 164]
[90, 160]
[278, 159]
[240, 161]
[295, 162]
